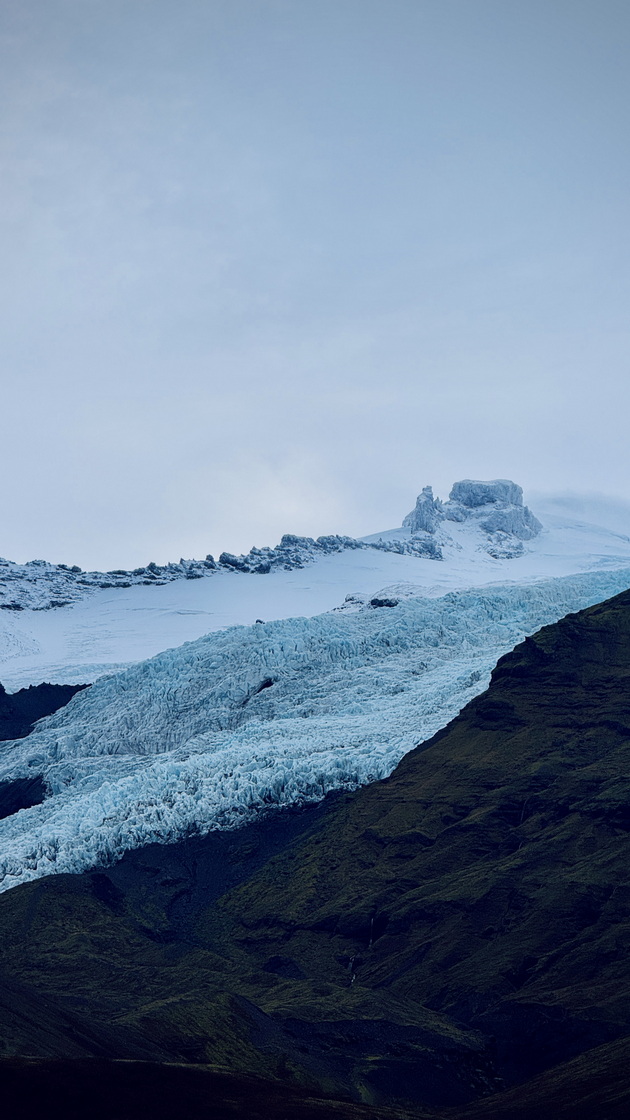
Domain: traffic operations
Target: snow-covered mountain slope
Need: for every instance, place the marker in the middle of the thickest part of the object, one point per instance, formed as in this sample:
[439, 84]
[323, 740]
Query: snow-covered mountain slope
[207, 735]
[591, 509]
[138, 614]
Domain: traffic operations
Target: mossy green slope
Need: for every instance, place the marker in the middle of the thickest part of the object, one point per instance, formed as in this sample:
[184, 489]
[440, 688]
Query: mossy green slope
[487, 878]
[462, 926]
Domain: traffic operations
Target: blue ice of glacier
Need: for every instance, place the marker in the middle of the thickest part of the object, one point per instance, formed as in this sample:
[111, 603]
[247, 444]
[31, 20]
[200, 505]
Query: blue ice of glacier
[207, 735]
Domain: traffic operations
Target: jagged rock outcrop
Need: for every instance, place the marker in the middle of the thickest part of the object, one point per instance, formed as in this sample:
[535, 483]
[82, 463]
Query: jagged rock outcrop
[39, 585]
[496, 507]
[472, 494]
[292, 552]
[296, 552]
[427, 515]
[19, 711]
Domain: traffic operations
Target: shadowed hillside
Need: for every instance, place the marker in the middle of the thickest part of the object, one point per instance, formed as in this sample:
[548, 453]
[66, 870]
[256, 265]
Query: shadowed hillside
[455, 934]
[20, 710]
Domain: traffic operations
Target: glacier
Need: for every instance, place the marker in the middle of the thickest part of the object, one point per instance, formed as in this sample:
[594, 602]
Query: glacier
[252, 718]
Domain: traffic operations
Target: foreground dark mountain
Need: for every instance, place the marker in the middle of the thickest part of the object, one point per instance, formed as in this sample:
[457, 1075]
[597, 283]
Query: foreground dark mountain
[591, 1087]
[432, 940]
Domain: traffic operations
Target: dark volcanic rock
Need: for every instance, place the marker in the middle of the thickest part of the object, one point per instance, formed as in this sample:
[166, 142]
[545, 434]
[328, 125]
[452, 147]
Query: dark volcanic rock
[21, 794]
[20, 710]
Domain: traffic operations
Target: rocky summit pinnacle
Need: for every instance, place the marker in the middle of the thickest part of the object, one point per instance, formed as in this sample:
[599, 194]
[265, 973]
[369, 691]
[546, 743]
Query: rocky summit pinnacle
[495, 507]
[500, 491]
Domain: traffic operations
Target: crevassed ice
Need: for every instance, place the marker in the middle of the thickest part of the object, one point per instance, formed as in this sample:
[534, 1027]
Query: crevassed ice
[207, 735]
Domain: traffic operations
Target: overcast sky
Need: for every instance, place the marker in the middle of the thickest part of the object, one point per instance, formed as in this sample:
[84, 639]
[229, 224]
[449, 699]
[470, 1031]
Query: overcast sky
[273, 265]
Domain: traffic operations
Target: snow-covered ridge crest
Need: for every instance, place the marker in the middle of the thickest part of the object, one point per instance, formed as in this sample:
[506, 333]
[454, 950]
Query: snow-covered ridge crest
[210, 734]
[38, 585]
[496, 507]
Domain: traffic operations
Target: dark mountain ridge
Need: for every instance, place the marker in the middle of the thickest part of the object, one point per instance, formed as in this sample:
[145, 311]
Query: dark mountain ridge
[425, 943]
[19, 711]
